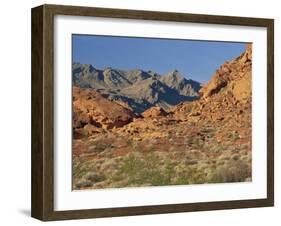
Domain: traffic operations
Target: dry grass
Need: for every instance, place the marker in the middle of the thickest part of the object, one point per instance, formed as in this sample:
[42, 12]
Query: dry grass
[231, 171]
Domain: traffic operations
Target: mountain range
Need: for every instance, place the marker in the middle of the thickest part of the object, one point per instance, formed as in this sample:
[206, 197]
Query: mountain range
[137, 89]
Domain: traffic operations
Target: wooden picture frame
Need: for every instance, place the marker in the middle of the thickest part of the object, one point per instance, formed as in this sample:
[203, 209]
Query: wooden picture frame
[43, 112]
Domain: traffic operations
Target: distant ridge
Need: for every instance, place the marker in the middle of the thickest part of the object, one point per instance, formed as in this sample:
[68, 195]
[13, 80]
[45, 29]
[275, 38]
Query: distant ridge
[138, 89]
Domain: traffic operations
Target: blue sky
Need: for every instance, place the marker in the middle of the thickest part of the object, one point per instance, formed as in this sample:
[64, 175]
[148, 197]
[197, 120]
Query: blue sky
[197, 60]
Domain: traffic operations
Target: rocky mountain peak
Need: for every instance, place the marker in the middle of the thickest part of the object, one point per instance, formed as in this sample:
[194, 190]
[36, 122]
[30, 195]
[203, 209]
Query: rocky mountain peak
[137, 88]
[78, 68]
[233, 76]
[173, 76]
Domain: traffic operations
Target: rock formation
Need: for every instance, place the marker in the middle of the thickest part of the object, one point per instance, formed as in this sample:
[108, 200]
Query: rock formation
[235, 75]
[92, 112]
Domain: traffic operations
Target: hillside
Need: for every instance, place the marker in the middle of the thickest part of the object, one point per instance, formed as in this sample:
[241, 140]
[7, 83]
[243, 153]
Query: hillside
[207, 140]
[93, 113]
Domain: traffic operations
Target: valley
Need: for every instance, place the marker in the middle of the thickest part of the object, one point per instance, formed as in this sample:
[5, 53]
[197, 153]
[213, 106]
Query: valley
[138, 128]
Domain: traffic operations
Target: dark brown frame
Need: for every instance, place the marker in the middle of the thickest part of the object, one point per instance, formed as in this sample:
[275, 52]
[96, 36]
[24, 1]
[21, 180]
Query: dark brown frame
[42, 203]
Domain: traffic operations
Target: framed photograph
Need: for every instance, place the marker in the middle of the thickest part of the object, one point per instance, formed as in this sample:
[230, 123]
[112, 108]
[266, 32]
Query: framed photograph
[142, 112]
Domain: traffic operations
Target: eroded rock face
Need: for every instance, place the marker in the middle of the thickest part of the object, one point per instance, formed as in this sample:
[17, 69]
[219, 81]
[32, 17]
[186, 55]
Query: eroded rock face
[92, 112]
[234, 76]
[226, 96]
[154, 112]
